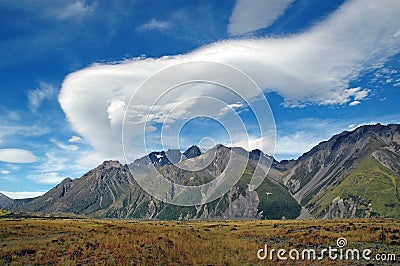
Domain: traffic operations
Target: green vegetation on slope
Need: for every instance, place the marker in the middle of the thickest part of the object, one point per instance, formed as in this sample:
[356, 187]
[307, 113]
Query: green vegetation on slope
[368, 181]
[278, 204]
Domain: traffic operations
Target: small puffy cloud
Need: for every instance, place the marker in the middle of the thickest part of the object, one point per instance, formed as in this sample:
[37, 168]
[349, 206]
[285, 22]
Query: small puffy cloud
[155, 25]
[5, 172]
[22, 194]
[17, 156]
[37, 96]
[252, 15]
[150, 129]
[354, 103]
[230, 107]
[75, 139]
[357, 93]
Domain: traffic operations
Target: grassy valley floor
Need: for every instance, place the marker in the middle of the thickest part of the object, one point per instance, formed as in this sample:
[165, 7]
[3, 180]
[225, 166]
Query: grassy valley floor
[69, 241]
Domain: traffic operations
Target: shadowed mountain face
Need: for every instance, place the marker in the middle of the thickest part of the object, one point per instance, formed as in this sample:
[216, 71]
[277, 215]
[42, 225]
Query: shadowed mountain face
[354, 174]
[192, 152]
[5, 201]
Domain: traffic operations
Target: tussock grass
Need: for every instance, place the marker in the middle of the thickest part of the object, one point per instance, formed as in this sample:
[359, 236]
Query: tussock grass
[42, 241]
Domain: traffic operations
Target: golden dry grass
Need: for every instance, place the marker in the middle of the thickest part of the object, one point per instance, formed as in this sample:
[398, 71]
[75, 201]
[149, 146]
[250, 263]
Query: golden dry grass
[47, 241]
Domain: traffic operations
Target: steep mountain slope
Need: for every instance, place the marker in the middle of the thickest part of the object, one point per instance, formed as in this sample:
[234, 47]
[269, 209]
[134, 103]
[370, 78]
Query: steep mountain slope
[354, 174]
[95, 190]
[5, 201]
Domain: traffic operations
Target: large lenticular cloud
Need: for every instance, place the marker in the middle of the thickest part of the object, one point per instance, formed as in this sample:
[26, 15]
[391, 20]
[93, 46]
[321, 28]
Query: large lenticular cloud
[313, 67]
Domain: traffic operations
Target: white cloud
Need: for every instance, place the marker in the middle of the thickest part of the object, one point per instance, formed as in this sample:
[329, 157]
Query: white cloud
[75, 139]
[13, 116]
[22, 194]
[15, 130]
[74, 9]
[296, 144]
[298, 136]
[5, 172]
[287, 145]
[12, 126]
[155, 25]
[56, 165]
[354, 103]
[116, 111]
[64, 146]
[49, 178]
[37, 96]
[230, 107]
[17, 156]
[358, 93]
[150, 129]
[314, 67]
[254, 142]
[252, 15]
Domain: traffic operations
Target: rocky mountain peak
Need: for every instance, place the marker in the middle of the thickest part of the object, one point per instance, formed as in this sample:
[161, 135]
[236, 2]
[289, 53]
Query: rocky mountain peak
[66, 180]
[110, 164]
[192, 152]
[5, 201]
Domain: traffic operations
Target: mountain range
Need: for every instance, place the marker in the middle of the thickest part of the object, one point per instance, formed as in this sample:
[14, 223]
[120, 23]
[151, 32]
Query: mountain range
[5, 201]
[353, 174]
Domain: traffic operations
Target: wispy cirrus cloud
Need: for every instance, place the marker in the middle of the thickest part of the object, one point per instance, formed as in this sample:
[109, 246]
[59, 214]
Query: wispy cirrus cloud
[22, 130]
[56, 165]
[37, 96]
[64, 146]
[48, 178]
[155, 24]
[73, 9]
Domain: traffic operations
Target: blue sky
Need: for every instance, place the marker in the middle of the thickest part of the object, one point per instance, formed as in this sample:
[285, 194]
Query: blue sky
[68, 69]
